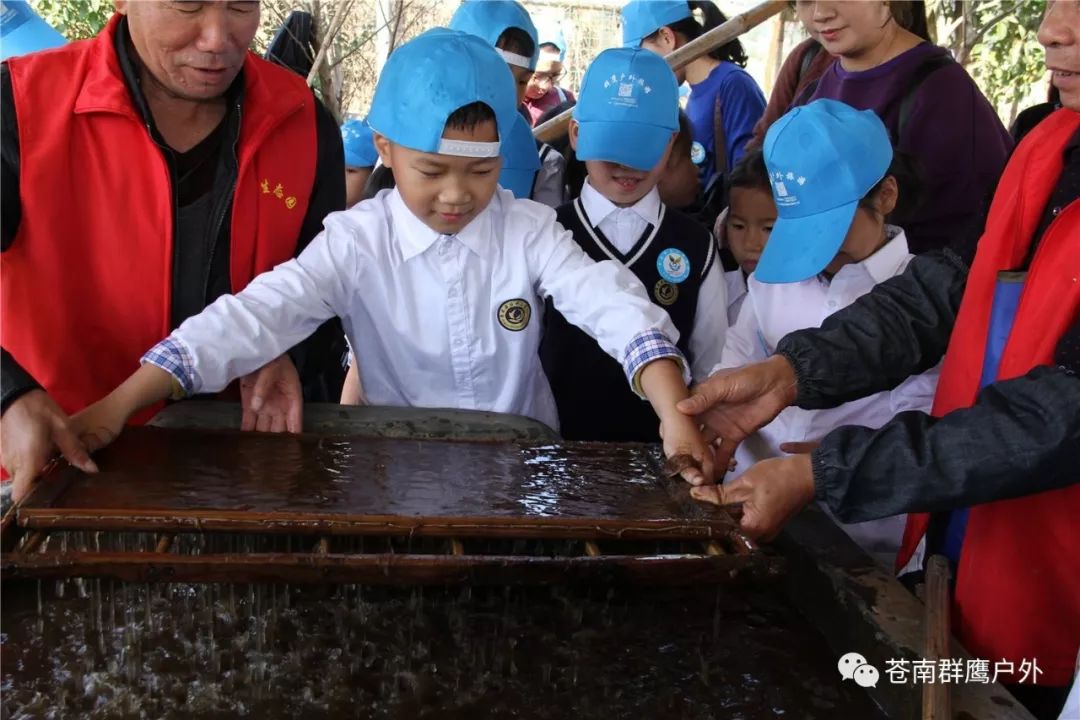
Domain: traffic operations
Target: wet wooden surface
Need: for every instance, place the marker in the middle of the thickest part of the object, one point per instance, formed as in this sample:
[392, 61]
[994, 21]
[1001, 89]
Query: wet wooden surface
[223, 480]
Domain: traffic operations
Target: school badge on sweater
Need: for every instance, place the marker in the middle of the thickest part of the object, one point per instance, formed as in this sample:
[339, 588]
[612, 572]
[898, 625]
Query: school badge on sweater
[673, 265]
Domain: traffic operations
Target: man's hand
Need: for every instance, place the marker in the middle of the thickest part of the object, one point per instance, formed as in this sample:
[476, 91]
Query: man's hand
[734, 403]
[33, 429]
[271, 398]
[771, 492]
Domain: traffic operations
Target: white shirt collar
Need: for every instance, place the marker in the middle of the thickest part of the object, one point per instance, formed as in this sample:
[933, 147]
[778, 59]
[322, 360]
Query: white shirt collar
[889, 258]
[415, 237]
[598, 207]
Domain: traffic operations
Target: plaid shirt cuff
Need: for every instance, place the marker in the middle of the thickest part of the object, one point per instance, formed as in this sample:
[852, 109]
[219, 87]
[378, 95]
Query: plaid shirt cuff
[646, 347]
[173, 357]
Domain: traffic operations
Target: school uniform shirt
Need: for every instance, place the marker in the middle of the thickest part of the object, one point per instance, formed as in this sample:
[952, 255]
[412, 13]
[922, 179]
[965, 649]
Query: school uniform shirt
[449, 321]
[593, 404]
[770, 312]
[735, 281]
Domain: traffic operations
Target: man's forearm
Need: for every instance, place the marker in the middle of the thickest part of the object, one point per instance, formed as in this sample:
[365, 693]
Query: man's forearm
[1021, 436]
[900, 328]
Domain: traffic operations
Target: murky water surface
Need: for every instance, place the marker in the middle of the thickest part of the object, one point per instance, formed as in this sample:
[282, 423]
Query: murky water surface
[97, 649]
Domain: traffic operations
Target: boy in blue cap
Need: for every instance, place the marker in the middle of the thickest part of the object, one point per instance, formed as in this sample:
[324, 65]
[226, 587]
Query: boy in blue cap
[624, 127]
[440, 282]
[360, 157]
[834, 182]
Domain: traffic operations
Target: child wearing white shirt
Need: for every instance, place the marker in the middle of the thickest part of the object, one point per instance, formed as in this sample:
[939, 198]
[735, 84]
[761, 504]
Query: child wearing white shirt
[439, 283]
[624, 132]
[836, 250]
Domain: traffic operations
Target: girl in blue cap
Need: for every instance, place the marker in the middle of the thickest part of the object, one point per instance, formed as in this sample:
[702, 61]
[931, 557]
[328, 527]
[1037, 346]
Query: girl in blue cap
[440, 283]
[831, 174]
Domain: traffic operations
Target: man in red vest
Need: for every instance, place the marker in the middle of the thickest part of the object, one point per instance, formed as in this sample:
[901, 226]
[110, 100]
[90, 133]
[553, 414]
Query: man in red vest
[146, 172]
[1001, 449]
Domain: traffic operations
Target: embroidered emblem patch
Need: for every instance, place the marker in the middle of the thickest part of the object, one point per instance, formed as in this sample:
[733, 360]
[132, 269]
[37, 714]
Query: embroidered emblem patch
[673, 265]
[697, 153]
[514, 314]
[665, 293]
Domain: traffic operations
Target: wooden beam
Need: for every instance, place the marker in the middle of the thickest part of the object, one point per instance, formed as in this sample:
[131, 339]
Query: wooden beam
[936, 702]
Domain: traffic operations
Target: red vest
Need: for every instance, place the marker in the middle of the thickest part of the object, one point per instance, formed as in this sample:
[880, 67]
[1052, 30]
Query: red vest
[86, 284]
[1018, 582]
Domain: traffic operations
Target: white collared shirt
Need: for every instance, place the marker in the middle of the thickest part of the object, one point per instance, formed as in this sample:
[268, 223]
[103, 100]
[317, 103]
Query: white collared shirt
[434, 320]
[772, 310]
[623, 227]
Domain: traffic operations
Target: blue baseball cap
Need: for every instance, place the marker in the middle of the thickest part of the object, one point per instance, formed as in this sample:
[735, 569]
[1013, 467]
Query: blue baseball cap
[489, 19]
[23, 31]
[627, 109]
[521, 159]
[360, 150]
[429, 78]
[822, 158]
[641, 18]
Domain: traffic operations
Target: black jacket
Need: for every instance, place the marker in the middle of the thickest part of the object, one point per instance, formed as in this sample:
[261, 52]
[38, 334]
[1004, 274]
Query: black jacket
[202, 181]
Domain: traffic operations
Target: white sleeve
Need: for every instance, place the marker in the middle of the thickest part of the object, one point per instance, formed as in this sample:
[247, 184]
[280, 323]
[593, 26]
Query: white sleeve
[710, 323]
[604, 299]
[238, 334]
[915, 393]
[743, 344]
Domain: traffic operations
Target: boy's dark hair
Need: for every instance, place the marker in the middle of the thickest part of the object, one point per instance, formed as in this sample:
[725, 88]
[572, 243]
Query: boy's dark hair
[711, 17]
[685, 139]
[750, 172]
[469, 116]
[516, 40]
[550, 46]
[905, 168]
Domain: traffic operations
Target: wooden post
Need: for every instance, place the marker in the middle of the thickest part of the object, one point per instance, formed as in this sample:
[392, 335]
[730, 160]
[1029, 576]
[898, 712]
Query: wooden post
[680, 58]
[936, 701]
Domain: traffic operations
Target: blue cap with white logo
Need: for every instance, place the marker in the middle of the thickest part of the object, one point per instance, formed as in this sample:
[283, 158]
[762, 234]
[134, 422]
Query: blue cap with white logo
[432, 76]
[822, 158]
[521, 159]
[489, 19]
[359, 147]
[641, 18]
[627, 109]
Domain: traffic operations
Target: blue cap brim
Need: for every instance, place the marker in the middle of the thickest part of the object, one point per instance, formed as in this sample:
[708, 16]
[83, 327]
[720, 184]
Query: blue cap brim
[631, 144]
[519, 182]
[800, 248]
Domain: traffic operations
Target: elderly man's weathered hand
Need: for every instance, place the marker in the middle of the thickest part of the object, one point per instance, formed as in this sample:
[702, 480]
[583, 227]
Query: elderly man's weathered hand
[32, 431]
[271, 398]
[771, 492]
[734, 403]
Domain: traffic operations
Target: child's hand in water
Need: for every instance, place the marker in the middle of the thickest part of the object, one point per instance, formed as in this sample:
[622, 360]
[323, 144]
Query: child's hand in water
[687, 452]
[100, 423]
